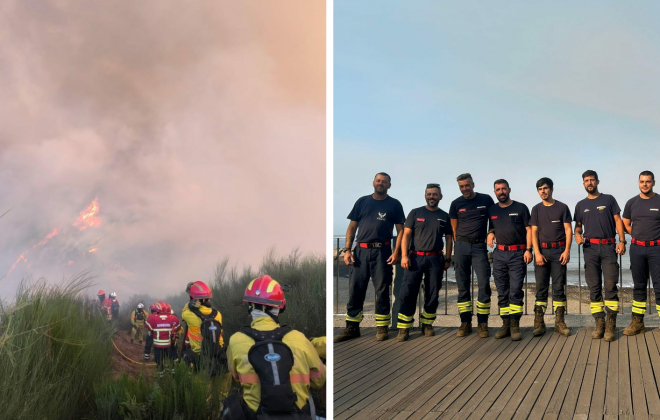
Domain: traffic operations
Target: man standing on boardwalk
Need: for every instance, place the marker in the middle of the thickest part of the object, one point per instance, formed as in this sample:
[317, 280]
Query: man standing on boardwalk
[421, 252]
[598, 215]
[373, 217]
[552, 235]
[469, 221]
[641, 218]
[512, 237]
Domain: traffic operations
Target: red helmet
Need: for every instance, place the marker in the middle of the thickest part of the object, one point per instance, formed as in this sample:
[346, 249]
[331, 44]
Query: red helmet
[199, 290]
[265, 291]
[101, 293]
[165, 308]
[154, 307]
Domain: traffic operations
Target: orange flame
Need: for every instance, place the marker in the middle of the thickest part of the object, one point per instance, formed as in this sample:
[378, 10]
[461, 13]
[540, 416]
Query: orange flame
[93, 250]
[88, 217]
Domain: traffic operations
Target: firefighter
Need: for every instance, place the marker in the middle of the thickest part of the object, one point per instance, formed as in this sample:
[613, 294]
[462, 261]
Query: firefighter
[137, 321]
[149, 342]
[373, 217]
[162, 325]
[599, 216]
[266, 301]
[641, 218]
[114, 306]
[422, 247]
[194, 311]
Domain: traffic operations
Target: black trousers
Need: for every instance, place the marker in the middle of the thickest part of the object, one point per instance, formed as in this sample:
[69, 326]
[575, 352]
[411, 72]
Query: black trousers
[148, 343]
[160, 355]
[509, 270]
[552, 268]
[602, 261]
[644, 261]
[430, 268]
[470, 256]
[370, 263]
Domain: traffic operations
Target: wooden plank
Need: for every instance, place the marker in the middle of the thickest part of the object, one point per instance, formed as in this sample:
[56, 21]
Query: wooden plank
[625, 390]
[550, 384]
[403, 415]
[557, 396]
[597, 405]
[636, 381]
[586, 391]
[612, 387]
[568, 406]
[533, 346]
[443, 357]
[650, 388]
[652, 339]
[525, 385]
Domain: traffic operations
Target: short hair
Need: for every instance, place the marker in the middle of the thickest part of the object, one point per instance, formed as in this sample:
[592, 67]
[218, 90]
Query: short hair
[501, 181]
[544, 181]
[433, 186]
[589, 172]
[389, 178]
[647, 173]
[463, 177]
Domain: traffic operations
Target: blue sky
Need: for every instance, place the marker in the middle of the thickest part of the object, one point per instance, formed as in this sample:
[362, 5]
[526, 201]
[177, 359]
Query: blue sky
[427, 90]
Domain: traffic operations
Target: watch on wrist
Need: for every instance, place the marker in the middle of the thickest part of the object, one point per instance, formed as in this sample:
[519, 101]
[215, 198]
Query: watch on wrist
[448, 260]
[346, 248]
[623, 242]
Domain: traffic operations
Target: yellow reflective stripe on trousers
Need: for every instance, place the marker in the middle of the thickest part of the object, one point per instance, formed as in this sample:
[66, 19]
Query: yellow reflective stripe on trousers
[515, 309]
[638, 307]
[613, 305]
[558, 304]
[657, 309]
[541, 303]
[383, 320]
[464, 307]
[504, 310]
[597, 307]
[483, 308]
[403, 317]
[357, 318]
[427, 315]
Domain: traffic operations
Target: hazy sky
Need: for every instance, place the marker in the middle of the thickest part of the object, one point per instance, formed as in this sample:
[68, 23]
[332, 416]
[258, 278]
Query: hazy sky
[199, 128]
[427, 90]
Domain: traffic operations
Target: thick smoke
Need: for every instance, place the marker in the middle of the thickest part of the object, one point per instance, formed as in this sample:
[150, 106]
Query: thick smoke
[200, 128]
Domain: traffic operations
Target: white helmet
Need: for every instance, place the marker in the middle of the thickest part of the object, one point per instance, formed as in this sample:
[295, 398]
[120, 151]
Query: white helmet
[140, 306]
[113, 295]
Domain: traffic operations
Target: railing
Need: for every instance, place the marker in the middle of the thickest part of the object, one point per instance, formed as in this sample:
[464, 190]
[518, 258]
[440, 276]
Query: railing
[338, 254]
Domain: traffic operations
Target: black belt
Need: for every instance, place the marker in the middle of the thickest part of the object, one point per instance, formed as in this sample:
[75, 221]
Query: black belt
[471, 240]
[372, 244]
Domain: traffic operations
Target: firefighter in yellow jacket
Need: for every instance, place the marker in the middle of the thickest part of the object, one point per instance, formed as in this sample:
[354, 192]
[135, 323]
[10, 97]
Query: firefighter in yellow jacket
[265, 340]
[137, 321]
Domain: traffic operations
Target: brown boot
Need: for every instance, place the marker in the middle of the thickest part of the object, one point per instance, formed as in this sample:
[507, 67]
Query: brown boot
[515, 330]
[428, 330]
[403, 334]
[382, 333]
[352, 331]
[600, 328]
[539, 323]
[636, 326]
[505, 331]
[464, 329]
[560, 324]
[482, 329]
[610, 327]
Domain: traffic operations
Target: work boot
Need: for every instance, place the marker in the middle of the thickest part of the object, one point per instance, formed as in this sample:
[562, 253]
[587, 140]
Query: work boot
[146, 356]
[482, 329]
[636, 326]
[505, 331]
[539, 322]
[403, 334]
[351, 331]
[464, 329]
[381, 334]
[610, 327]
[560, 324]
[428, 330]
[515, 330]
[600, 328]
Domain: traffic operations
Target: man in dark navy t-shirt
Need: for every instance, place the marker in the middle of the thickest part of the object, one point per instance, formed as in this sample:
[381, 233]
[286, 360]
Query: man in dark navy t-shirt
[598, 215]
[512, 238]
[373, 217]
[641, 219]
[469, 222]
[552, 235]
[421, 250]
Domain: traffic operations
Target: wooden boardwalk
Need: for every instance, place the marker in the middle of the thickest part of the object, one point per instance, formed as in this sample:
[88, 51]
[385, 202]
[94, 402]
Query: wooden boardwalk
[549, 377]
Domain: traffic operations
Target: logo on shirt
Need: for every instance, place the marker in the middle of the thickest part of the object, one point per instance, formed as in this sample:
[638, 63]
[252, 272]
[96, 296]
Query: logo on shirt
[555, 221]
[601, 208]
[586, 210]
[419, 219]
[513, 214]
[493, 217]
[653, 209]
[381, 216]
[481, 207]
[462, 210]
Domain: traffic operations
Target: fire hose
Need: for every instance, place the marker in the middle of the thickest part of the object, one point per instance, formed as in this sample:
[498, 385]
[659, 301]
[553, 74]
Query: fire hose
[128, 358]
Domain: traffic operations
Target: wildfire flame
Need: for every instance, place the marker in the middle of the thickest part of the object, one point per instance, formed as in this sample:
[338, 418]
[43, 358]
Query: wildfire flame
[93, 250]
[88, 217]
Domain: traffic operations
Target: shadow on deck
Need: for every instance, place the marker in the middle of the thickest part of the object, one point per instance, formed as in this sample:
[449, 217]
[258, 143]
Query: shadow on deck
[539, 377]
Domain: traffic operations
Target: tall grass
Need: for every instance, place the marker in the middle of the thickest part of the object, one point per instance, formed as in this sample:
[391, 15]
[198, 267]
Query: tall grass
[54, 347]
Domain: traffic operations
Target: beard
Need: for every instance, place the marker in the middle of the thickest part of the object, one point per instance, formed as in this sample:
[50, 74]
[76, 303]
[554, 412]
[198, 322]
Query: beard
[593, 189]
[432, 203]
[503, 198]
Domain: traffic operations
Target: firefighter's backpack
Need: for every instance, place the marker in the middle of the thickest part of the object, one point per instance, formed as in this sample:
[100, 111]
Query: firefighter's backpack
[211, 331]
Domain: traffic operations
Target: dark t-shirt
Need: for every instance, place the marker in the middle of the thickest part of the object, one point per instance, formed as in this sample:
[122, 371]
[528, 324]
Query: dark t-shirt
[376, 218]
[597, 216]
[510, 223]
[472, 215]
[550, 221]
[645, 216]
[429, 228]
